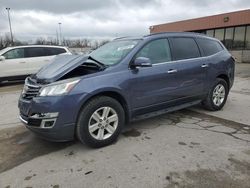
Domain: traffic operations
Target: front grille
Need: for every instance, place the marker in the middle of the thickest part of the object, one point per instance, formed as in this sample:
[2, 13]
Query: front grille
[30, 89]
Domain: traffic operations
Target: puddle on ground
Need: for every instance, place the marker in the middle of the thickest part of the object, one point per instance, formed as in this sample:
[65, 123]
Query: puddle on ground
[206, 178]
[132, 133]
[19, 145]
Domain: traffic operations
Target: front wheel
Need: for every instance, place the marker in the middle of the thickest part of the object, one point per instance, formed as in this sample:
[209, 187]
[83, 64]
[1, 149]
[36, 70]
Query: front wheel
[100, 122]
[217, 95]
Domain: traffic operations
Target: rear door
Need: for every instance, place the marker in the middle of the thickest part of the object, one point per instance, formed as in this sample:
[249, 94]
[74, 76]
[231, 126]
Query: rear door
[190, 66]
[36, 58]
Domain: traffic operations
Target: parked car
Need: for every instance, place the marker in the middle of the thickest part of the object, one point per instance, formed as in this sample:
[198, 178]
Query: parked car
[20, 61]
[92, 97]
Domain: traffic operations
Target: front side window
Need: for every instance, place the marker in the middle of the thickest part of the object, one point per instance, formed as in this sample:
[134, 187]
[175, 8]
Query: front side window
[157, 51]
[113, 52]
[14, 54]
[184, 48]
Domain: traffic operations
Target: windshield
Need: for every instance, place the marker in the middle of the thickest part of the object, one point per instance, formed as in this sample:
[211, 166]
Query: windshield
[113, 52]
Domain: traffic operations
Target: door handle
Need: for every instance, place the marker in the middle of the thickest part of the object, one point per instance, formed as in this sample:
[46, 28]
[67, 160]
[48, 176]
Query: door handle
[171, 71]
[204, 66]
[22, 62]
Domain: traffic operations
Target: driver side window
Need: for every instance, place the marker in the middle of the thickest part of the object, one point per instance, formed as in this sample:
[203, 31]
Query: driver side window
[158, 51]
[14, 54]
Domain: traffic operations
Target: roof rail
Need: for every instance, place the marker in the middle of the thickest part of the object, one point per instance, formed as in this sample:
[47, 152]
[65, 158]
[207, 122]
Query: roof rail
[185, 32]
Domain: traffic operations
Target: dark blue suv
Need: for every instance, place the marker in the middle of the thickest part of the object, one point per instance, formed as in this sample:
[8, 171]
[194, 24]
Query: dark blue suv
[92, 97]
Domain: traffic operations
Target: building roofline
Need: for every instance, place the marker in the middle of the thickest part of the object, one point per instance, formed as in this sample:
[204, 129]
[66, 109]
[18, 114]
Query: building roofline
[203, 17]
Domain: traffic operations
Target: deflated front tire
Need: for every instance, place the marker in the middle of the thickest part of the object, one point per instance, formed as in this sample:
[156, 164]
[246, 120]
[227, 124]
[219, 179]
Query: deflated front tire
[100, 122]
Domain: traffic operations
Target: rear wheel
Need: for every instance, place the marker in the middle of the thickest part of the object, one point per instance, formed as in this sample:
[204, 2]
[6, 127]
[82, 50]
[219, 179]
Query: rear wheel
[100, 122]
[217, 95]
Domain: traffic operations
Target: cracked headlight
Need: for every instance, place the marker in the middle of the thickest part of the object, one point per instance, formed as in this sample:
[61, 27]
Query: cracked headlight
[59, 88]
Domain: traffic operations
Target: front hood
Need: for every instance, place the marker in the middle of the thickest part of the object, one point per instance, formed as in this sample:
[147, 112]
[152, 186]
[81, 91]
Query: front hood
[60, 66]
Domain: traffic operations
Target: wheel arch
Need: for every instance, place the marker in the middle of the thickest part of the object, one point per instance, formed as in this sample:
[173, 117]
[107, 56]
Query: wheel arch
[224, 77]
[109, 93]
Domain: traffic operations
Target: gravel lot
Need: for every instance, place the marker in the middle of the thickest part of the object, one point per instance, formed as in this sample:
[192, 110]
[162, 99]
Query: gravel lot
[188, 148]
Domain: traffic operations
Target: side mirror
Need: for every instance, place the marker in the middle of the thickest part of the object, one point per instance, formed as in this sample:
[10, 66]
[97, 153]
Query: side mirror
[141, 62]
[2, 58]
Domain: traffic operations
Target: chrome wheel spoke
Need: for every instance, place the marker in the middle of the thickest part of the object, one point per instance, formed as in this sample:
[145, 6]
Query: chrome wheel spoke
[100, 134]
[94, 127]
[105, 112]
[110, 129]
[96, 116]
[113, 118]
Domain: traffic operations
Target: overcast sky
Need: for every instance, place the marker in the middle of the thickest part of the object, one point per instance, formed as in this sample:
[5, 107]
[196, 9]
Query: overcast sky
[103, 18]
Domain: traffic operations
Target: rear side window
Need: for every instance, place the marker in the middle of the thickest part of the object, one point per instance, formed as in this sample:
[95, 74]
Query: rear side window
[157, 51]
[34, 52]
[55, 51]
[209, 47]
[14, 54]
[184, 48]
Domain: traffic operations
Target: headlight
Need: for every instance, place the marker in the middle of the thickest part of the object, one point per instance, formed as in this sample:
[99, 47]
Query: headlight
[58, 89]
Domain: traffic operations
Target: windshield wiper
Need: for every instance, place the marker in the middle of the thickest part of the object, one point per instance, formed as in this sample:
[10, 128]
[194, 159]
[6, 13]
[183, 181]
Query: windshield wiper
[102, 65]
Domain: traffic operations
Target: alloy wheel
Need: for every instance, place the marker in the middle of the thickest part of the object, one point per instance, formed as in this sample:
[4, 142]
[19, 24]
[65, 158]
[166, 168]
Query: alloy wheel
[219, 94]
[103, 123]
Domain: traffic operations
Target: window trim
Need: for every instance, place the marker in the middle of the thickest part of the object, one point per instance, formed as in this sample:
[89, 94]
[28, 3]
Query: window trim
[196, 58]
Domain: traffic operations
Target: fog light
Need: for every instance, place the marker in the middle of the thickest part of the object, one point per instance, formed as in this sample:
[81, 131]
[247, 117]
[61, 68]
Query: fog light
[47, 123]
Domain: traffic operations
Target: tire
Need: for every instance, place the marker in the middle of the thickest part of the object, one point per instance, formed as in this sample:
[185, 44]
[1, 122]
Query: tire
[100, 122]
[216, 94]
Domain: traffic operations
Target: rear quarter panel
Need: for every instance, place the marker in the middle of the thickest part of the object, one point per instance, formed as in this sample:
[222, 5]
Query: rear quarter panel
[221, 63]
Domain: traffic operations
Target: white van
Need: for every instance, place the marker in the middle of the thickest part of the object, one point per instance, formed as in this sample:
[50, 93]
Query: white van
[20, 61]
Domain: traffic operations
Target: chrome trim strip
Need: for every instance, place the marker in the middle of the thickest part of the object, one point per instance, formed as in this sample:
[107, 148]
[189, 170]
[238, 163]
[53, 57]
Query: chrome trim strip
[169, 62]
[23, 120]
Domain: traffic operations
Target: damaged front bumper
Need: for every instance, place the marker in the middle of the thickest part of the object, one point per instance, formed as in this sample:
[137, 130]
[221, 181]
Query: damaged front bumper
[52, 117]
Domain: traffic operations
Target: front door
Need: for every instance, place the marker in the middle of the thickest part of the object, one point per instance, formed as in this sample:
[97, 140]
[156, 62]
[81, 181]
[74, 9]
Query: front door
[14, 63]
[153, 86]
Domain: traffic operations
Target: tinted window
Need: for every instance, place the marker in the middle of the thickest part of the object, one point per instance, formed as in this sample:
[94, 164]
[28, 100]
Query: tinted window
[157, 51]
[184, 48]
[209, 47]
[248, 38]
[34, 52]
[229, 38]
[219, 34]
[55, 51]
[239, 36]
[210, 33]
[14, 54]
